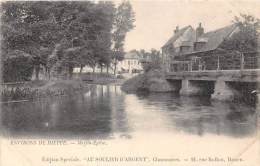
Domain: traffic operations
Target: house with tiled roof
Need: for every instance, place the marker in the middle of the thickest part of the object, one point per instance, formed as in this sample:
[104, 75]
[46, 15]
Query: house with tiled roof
[130, 64]
[189, 45]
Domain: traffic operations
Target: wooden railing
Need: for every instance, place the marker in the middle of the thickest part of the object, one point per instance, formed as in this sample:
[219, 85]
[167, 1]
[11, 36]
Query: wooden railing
[234, 61]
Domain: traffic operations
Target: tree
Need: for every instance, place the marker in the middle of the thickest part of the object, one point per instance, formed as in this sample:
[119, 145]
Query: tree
[27, 27]
[246, 39]
[106, 13]
[123, 23]
[31, 29]
[17, 66]
[48, 32]
[92, 26]
[71, 17]
[151, 60]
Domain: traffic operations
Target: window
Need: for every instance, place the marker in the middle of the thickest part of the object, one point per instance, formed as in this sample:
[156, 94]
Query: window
[184, 49]
[198, 45]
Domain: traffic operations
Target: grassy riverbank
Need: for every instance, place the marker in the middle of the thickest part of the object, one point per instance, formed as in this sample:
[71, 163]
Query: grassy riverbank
[35, 90]
[152, 81]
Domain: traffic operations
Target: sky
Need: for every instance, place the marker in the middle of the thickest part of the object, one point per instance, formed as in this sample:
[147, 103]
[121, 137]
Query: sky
[157, 19]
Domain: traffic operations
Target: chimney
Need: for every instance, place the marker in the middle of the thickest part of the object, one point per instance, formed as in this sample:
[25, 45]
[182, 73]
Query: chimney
[176, 30]
[199, 31]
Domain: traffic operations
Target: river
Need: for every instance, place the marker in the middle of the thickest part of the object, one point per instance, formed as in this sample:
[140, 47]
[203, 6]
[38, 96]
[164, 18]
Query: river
[164, 128]
[107, 112]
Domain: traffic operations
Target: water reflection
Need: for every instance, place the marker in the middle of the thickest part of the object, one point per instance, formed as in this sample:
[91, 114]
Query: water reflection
[106, 111]
[200, 115]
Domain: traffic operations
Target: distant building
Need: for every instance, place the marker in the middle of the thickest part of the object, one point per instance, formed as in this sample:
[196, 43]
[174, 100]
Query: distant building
[131, 63]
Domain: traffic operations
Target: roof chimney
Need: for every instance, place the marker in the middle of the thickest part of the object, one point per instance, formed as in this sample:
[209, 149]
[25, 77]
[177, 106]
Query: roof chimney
[176, 30]
[199, 31]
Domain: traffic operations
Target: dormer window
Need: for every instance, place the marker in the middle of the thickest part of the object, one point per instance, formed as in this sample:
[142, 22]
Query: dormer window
[185, 46]
[184, 49]
[198, 46]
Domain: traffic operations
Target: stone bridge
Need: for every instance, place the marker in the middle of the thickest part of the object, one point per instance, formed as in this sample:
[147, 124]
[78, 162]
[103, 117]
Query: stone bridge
[220, 84]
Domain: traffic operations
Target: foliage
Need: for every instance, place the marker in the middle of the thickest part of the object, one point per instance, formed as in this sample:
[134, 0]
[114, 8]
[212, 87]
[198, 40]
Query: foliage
[47, 32]
[123, 23]
[17, 66]
[37, 90]
[245, 40]
[151, 60]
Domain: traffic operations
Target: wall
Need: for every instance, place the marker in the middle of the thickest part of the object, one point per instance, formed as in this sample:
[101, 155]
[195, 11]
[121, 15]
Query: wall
[129, 65]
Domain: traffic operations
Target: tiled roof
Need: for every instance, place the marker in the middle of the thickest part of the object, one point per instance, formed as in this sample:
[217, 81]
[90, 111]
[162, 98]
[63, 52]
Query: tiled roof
[215, 38]
[176, 36]
[212, 39]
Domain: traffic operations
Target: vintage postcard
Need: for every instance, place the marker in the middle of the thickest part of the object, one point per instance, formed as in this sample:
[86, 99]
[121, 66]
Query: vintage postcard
[130, 82]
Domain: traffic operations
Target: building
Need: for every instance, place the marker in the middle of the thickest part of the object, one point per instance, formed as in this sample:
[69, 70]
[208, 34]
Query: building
[176, 44]
[130, 64]
[193, 49]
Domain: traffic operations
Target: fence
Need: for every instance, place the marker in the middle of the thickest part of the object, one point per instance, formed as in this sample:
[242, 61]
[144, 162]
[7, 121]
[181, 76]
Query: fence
[228, 61]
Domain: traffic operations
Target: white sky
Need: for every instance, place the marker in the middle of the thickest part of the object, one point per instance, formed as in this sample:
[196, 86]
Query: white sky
[156, 19]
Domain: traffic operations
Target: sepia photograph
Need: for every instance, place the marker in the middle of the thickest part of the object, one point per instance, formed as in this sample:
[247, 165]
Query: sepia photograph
[130, 82]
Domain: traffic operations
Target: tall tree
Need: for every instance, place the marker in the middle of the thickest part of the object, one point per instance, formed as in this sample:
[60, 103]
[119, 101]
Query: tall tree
[123, 23]
[106, 13]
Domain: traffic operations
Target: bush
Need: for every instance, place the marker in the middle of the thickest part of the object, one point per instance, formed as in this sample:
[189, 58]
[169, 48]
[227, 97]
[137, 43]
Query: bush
[154, 64]
[152, 81]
